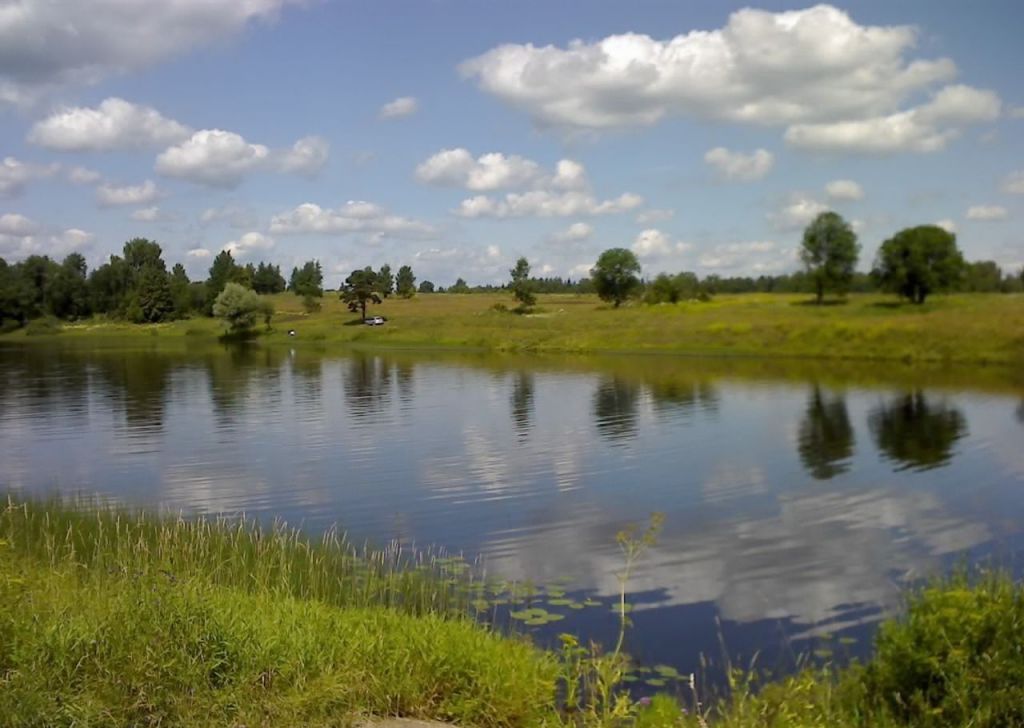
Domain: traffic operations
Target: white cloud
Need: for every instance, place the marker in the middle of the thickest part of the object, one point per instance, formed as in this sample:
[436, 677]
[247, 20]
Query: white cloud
[21, 237]
[47, 45]
[575, 233]
[353, 217]
[652, 243]
[114, 124]
[306, 157]
[987, 212]
[400, 107]
[948, 225]
[108, 195]
[569, 175]
[767, 68]
[199, 253]
[494, 171]
[926, 128]
[83, 176]
[147, 214]
[1014, 183]
[219, 158]
[737, 166]
[249, 243]
[844, 189]
[655, 215]
[545, 203]
[235, 216]
[15, 175]
[797, 213]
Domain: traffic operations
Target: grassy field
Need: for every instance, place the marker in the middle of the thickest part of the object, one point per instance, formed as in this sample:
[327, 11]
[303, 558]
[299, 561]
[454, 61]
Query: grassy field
[966, 328]
[117, 619]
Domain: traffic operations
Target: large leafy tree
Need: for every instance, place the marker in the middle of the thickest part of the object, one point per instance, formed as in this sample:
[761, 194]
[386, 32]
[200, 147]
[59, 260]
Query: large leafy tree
[151, 300]
[108, 286]
[426, 287]
[359, 289]
[405, 282]
[829, 253]
[69, 289]
[239, 307]
[267, 278]
[616, 275]
[181, 292]
[667, 288]
[521, 285]
[224, 270]
[918, 261]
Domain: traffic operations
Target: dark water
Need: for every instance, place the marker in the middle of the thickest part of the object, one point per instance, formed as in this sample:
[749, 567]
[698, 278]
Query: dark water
[799, 498]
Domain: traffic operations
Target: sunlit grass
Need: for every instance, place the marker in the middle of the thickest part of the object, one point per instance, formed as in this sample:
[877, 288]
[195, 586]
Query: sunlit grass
[977, 328]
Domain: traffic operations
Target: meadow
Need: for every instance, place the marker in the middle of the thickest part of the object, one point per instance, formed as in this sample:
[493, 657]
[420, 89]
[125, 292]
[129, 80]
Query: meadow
[114, 618]
[960, 328]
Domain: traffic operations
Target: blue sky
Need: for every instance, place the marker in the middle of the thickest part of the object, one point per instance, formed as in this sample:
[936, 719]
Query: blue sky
[456, 136]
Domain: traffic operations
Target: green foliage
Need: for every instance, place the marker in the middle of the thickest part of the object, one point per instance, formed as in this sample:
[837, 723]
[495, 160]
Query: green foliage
[426, 287]
[239, 307]
[521, 285]
[829, 252]
[150, 300]
[667, 288]
[919, 261]
[109, 285]
[46, 326]
[385, 281]
[616, 275]
[311, 304]
[359, 289]
[181, 292]
[405, 282]
[983, 276]
[267, 279]
[68, 294]
[460, 286]
[307, 280]
[141, 254]
[223, 270]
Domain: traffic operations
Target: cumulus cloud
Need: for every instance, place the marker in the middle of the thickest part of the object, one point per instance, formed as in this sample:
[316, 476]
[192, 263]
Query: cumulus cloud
[575, 233]
[108, 195]
[235, 216]
[21, 237]
[114, 124]
[148, 214]
[493, 171]
[249, 243]
[546, 203]
[948, 225]
[797, 212]
[83, 176]
[219, 158]
[199, 253]
[763, 67]
[400, 107]
[654, 243]
[354, 216]
[926, 128]
[844, 190]
[46, 45]
[987, 212]
[740, 167]
[1014, 183]
[15, 175]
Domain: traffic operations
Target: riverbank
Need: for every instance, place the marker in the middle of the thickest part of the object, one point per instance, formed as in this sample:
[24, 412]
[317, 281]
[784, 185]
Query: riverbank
[113, 618]
[963, 328]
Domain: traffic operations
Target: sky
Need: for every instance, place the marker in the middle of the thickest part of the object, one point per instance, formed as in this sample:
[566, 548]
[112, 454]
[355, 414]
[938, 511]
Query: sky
[456, 136]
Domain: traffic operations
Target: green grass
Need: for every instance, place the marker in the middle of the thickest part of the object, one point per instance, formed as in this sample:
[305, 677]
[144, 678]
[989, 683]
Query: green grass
[969, 328]
[118, 619]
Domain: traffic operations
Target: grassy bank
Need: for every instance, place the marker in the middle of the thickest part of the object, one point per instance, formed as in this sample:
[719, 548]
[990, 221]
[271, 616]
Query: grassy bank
[109, 618]
[967, 328]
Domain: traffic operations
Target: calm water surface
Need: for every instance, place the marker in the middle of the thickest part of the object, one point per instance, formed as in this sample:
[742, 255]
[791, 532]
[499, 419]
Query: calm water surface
[799, 499]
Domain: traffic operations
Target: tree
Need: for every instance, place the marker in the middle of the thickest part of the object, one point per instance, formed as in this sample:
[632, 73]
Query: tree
[616, 275]
[240, 307]
[829, 253]
[150, 300]
[666, 288]
[426, 287]
[359, 289]
[983, 276]
[181, 292]
[521, 286]
[69, 289]
[385, 281]
[918, 261]
[267, 278]
[224, 270]
[108, 286]
[307, 280]
[140, 254]
[460, 286]
[405, 282]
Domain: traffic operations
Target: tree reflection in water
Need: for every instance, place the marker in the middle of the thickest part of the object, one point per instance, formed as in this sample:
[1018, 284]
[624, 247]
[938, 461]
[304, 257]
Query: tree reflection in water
[917, 432]
[826, 437]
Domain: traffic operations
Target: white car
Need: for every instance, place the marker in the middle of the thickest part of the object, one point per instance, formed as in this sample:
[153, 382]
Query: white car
[374, 321]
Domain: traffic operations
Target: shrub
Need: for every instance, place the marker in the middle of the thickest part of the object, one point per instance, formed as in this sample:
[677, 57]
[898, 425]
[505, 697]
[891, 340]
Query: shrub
[239, 307]
[43, 327]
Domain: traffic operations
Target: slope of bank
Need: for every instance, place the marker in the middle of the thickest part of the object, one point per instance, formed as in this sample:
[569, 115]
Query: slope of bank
[965, 328]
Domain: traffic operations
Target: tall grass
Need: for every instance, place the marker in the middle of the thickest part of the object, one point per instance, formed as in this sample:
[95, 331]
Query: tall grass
[240, 554]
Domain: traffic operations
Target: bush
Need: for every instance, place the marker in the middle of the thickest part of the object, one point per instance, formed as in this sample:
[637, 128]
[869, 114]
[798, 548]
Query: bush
[239, 307]
[43, 327]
